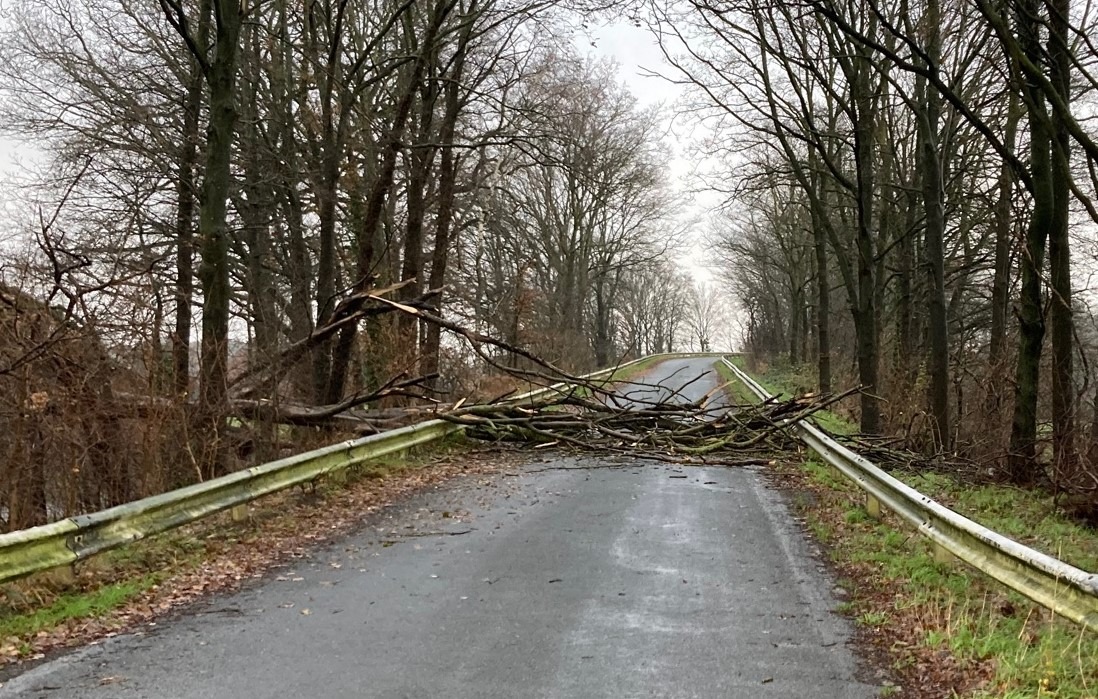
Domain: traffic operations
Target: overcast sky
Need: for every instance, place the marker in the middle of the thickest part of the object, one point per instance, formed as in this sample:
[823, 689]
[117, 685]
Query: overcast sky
[639, 57]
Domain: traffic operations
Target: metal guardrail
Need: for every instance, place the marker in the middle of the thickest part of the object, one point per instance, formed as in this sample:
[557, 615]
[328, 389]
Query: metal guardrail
[1069, 591]
[74, 539]
[71, 540]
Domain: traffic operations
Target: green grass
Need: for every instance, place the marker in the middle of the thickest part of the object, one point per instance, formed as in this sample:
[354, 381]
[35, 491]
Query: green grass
[76, 606]
[957, 609]
[734, 387]
[1030, 517]
[947, 606]
[829, 476]
[624, 373]
[872, 619]
[785, 379]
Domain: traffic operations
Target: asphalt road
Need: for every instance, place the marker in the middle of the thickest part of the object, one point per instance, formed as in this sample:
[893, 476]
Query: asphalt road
[568, 578]
[684, 380]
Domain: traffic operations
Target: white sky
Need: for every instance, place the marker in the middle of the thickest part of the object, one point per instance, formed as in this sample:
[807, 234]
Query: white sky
[639, 57]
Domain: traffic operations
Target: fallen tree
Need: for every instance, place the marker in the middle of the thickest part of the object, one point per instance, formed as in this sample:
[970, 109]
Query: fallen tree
[595, 417]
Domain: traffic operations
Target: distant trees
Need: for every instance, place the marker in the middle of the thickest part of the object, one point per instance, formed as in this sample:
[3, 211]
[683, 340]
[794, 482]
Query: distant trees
[576, 219]
[704, 317]
[654, 299]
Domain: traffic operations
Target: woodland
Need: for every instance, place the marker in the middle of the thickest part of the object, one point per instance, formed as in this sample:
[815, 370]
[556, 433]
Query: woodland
[912, 190]
[253, 221]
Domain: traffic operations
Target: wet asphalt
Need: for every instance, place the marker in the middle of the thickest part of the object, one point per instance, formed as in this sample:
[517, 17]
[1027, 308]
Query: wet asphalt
[682, 380]
[569, 577]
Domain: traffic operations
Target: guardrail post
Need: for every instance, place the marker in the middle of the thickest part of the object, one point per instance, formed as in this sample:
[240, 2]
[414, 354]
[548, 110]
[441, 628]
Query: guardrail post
[240, 512]
[941, 555]
[872, 506]
[63, 575]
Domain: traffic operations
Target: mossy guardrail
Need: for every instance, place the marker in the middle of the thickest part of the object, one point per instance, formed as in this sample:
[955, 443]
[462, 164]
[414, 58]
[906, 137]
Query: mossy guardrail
[1068, 591]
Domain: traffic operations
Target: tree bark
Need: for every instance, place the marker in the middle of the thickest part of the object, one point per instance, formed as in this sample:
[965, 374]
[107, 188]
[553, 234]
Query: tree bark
[184, 215]
[823, 296]
[213, 234]
[1021, 461]
[865, 321]
[421, 163]
[1059, 252]
[1000, 285]
[933, 195]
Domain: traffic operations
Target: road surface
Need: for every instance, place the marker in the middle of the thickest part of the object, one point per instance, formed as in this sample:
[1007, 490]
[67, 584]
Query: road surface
[681, 380]
[570, 577]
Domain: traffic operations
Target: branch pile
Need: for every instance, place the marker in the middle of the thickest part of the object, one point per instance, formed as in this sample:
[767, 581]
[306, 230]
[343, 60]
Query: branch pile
[660, 424]
[575, 412]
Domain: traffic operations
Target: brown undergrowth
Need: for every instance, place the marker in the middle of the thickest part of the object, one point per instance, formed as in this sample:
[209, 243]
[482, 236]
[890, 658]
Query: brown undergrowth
[145, 581]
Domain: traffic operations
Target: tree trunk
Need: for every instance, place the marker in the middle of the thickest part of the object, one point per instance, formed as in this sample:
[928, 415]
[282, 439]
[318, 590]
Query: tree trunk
[865, 323]
[184, 216]
[213, 236]
[823, 297]
[933, 195]
[1021, 462]
[1059, 253]
[1000, 285]
[444, 215]
[420, 166]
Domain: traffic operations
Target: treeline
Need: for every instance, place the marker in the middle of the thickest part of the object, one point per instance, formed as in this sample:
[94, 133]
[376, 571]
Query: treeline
[914, 181]
[232, 196]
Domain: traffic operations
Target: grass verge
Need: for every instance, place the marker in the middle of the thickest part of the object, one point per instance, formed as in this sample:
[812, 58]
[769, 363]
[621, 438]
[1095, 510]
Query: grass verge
[736, 390]
[625, 373]
[945, 629]
[788, 380]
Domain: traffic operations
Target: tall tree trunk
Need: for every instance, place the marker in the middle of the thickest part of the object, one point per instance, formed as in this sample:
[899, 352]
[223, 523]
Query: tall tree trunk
[421, 162]
[444, 217]
[603, 335]
[796, 325]
[933, 195]
[1059, 253]
[447, 183]
[326, 193]
[1000, 285]
[291, 210]
[865, 322]
[1021, 462]
[213, 234]
[823, 296]
[184, 215]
